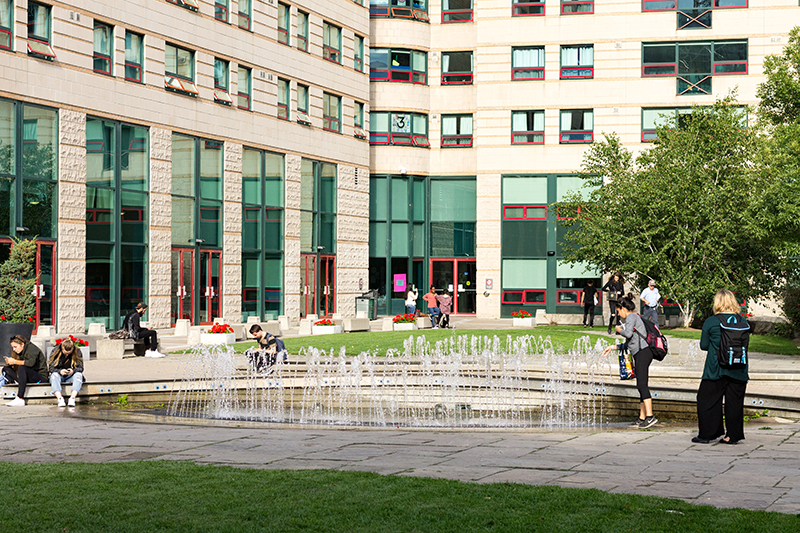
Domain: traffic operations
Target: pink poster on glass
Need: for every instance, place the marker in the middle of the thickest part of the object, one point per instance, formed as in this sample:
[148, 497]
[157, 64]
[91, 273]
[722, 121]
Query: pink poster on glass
[399, 283]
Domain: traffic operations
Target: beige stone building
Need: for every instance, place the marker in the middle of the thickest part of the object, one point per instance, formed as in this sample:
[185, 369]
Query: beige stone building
[206, 156]
[481, 111]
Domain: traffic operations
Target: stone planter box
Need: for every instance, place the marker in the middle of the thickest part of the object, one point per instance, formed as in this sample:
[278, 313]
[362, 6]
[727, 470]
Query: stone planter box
[325, 330]
[84, 351]
[405, 326]
[217, 338]
[523, 322]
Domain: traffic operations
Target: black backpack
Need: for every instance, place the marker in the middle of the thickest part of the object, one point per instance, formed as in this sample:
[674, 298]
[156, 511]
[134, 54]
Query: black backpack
[734, 341]
[655, 340]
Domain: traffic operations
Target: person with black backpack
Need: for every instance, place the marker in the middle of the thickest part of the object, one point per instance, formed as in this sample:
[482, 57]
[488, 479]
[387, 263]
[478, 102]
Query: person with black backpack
[726, 337]
[633, 329]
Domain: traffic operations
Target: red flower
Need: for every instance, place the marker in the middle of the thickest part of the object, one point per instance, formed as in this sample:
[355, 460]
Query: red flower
[30, 319]
[2, 317]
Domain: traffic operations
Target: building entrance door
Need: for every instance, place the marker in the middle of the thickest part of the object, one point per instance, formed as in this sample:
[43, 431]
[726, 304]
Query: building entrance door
[210, 285]
[45, 284]
[182, 284]
[458, 277]
[327, 296]
[308, 285]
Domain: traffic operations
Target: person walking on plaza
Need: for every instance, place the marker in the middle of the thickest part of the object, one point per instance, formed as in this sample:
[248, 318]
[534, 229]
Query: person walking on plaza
[433, 307]
[27, 364]
[66, 366]
[589, 300]
[729, 382]
[616, 288]
[136, 331]
[634, 331]
[650, 299]
[411, 300]
[445, 303]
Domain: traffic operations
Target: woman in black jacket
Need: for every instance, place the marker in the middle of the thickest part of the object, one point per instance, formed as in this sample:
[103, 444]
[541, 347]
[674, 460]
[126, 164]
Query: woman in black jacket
[616, 288]
[26, 365]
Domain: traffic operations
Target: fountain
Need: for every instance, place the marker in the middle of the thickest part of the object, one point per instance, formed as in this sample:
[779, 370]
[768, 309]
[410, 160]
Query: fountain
[462, 381]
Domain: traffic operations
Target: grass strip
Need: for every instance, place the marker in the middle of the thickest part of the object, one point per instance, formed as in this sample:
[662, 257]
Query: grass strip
[176, 497]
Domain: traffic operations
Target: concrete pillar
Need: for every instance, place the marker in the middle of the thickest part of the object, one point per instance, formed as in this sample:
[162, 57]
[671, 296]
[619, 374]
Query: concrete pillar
[352, 237]
[232, 235]
[71, 249]
[160, 237]
[487, 236]
[291, 243]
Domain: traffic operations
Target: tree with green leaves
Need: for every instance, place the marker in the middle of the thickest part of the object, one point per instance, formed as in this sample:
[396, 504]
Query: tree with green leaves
[698, 211]
[17, 281]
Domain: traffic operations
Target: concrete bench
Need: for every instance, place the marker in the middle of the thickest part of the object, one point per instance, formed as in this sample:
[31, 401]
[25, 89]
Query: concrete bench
[424, 322]
[35, 391]
[355, 324]
[116, 348]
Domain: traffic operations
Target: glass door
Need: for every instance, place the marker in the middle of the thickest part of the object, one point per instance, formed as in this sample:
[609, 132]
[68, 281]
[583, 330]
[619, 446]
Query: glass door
[327, 286]
[466, 290]
[182, 284]
[210, 284]
[441, 276]
[45, 284]
[308, 285]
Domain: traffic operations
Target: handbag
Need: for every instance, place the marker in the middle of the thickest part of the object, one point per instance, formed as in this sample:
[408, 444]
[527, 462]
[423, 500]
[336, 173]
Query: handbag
[626, 369]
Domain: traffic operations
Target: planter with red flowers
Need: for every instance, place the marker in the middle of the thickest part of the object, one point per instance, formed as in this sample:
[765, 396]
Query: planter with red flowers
[405, 322]
[326, 326]
[218, 334]
[81, 344]
[522, 319]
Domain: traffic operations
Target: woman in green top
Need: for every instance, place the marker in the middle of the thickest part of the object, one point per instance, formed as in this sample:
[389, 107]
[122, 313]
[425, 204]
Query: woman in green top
[718, 382]
[26, 365]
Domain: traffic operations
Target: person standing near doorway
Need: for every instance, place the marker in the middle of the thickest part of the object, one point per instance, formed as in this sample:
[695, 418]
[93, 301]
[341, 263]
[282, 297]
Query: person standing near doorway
[650, 299]
[615, 287]
[589, 300]
[445, 303]
[411, 300]
[433, 307]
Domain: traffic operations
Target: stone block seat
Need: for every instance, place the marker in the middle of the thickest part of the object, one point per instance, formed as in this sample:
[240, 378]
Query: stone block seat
[355, 324]
[119, 348]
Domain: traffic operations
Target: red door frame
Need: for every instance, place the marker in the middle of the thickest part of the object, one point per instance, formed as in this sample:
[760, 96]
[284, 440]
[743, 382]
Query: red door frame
[182, 288]
[306, 288]
[38, 287]
[214, 292]
[330, 284]
[454, 262]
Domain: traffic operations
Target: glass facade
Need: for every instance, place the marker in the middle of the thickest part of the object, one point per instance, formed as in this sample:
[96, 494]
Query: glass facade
[422, 228]
[532, 276]
[117, 206]
[262, 234]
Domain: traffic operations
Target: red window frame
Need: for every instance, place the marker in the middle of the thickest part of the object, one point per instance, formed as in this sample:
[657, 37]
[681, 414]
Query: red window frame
[456, 137]
[651, 133]
[447, 12]
[245, 17]
[302, 43]
[526, 133]
[248, 212]
[402, 139]
[673, 8]
[576, 292]
[456, 81]
[136, 67]
[190, 89]
[576, 132]
[221, 12]
[50, 54]
[573, 3]
[380, 138]
[358, 64]
[421, 15]
[212, 211]
[283, 111]
[332, 54]
[329, 122]
[403, 13]
[526, 69]
[525, 212]
[191, 5]
[535, 291]
[673, 65]
[97, 55]
[92, 216]
[379, 12]
[6, 31]
[239, 104]
[521, 297]
[422, 141]
[535, 5]
[415, 76]
[564, 76]
[283, 36]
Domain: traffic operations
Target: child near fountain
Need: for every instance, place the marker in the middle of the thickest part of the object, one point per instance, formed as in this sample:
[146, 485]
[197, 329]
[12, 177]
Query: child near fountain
[634, 331]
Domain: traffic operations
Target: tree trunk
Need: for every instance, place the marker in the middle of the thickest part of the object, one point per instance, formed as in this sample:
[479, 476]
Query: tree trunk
[687, 314]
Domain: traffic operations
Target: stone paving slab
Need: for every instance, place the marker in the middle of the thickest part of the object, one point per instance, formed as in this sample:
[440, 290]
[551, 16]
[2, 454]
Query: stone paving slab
[763, 472]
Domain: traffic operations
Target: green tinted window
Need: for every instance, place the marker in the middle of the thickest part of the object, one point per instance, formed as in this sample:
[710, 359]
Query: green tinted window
[377, 198]
[183, 160]
[273, 184]
[453, 200]
[519, 190]
[524, 273]
[39, 147]
[399, 199]
[524, 238]
[251, 176]
[449, 239]
[7, 135]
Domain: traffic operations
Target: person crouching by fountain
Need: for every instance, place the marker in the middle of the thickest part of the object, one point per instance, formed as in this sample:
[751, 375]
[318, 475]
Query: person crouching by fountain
[634, 331]
[266, 352]
[445, 302]
[27, 364]
[66, 366]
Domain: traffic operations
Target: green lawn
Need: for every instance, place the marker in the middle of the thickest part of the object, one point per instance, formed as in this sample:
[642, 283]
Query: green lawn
[168, 496]
[562, 337]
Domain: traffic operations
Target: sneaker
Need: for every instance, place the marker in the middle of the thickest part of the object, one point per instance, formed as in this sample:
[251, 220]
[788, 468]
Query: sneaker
[16, 402]
[648, 422]
[61, 402]
[148, 353]
[155, 354]
[636, 423]
[71, 402]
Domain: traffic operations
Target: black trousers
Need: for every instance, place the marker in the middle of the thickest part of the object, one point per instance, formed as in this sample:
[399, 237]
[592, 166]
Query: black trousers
[444, 320]
[588, 310]
[709, 408]
[150, 338]
[614, 319]
[22, 375]
[641, 366]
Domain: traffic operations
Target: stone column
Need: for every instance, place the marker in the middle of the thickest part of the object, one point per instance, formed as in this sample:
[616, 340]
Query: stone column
[232, 235]
[160, 238]
[487, 244]
[71, 269]
[352, 236]
[291, 243]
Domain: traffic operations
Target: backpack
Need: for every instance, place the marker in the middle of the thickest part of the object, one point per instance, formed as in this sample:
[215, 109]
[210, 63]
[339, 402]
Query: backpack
[655, 340]
[734, 341]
